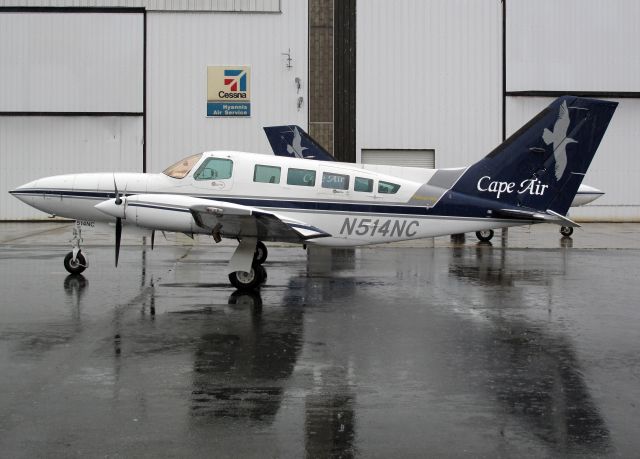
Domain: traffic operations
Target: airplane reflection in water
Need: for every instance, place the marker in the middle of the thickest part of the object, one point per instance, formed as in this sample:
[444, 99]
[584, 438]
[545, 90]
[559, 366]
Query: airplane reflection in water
[534, 371]
[312, 366]
[244, 356]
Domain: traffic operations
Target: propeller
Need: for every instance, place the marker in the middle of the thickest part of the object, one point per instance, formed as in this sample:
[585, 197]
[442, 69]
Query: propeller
[153, 238]
[118, 237]
[118, 202]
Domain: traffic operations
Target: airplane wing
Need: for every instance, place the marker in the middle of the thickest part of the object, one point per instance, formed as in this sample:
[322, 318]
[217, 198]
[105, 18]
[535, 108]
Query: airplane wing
[183, 213]
[244, 221]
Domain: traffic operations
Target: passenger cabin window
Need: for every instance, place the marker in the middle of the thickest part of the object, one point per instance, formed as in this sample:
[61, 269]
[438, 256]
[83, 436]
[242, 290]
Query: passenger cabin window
[363, 184]
[335, 181]
[183, 167]
[266, 174]
[214, 169]
[301, 177]
[387, 188]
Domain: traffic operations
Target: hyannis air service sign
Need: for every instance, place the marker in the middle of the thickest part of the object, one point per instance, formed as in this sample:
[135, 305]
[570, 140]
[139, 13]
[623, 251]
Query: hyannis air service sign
[228, 91]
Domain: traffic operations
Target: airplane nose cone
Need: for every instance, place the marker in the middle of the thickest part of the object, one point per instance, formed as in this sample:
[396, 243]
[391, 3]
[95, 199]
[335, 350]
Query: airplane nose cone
[109, 207]
[23, 192]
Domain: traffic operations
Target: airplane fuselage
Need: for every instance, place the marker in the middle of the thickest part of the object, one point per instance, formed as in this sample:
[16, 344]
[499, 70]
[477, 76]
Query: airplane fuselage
[356, 204]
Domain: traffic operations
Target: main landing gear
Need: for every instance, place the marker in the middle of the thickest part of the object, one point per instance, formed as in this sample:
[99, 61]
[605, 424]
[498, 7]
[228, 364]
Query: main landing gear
[485, 235]
[75, 262]
[566, 231]
[257, 275]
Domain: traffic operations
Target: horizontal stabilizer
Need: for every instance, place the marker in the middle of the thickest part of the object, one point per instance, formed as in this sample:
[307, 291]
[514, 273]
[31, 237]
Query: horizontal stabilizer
[531, 215]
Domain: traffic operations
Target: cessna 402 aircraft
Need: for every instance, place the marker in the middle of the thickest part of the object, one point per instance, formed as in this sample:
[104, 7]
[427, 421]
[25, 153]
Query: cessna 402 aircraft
[532, 177]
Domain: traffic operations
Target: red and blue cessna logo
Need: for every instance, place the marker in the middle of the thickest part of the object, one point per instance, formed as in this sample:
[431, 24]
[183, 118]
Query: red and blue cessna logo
[236, 82]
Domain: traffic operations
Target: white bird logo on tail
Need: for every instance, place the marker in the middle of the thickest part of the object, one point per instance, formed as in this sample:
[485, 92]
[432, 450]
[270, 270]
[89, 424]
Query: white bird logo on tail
[296, 148]
[559, 139]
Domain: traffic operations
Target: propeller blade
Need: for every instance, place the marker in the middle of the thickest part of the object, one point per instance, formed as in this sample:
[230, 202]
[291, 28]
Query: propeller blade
[118, 237]
[115, 186]
[153, 238]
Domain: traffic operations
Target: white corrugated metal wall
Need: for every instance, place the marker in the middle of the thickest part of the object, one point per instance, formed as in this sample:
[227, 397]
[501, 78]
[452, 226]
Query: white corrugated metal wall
[70, 62]
[180, 46]
[429, 77]
[78, 72]
[584, 46]
[573, 45]
[50, 145]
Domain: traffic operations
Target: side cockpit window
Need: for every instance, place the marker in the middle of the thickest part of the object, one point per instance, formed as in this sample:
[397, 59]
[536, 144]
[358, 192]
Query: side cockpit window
[387, 187]
[301, 177]
[266, 174]
[214, 169]
[335, 181]
[182, 168]
[363, 184]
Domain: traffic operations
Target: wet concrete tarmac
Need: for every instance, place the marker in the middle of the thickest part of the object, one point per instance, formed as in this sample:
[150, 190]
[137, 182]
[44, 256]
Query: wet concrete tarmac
[527, 347]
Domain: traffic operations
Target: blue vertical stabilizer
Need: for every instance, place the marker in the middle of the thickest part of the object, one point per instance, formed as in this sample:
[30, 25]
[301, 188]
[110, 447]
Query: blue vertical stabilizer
[294, 142]
[536, 172]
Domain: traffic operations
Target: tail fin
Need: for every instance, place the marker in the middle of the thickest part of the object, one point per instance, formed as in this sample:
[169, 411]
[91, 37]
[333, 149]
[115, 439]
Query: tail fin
[536, 172]
[292, 141]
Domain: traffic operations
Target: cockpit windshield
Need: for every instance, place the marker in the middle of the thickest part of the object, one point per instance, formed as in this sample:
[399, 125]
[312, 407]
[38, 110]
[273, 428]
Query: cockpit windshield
[183, 167]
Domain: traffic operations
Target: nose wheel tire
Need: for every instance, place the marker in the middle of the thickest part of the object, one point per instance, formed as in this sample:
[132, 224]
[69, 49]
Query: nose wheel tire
[75, 266]
[251, 280]
[484, 235]
[566, 231]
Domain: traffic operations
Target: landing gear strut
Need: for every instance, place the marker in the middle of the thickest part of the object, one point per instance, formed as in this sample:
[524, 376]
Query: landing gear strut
[250, 253]
[75, 262]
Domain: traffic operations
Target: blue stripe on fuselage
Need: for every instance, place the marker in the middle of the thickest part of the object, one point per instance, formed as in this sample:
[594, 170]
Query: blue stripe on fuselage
[253, 202]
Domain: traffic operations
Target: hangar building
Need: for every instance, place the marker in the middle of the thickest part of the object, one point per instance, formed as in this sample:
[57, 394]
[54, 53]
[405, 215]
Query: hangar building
[130, 85]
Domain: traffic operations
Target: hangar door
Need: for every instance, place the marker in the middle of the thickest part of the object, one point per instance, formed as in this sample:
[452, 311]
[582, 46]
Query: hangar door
[71, 98]
[412, 158]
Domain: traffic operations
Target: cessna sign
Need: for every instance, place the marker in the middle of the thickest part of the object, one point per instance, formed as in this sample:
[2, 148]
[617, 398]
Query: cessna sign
[228, 91]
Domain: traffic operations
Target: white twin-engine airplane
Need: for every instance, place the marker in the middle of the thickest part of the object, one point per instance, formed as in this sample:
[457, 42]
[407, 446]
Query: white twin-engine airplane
[258, 198]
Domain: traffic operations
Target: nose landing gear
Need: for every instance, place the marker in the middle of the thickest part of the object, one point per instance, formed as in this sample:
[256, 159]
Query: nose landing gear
[74, 261]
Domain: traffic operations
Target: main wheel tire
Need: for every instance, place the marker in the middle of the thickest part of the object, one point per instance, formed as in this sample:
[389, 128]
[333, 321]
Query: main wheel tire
[261, 253]
[248, 280]
[262, 272]
[75, 266]
[566, 231]
[484, 235]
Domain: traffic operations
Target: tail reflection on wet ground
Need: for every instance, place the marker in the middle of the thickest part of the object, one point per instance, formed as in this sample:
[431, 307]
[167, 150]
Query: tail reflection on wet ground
[534, 371]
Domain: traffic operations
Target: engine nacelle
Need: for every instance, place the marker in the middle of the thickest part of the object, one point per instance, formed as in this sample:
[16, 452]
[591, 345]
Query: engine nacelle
[157, 212]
